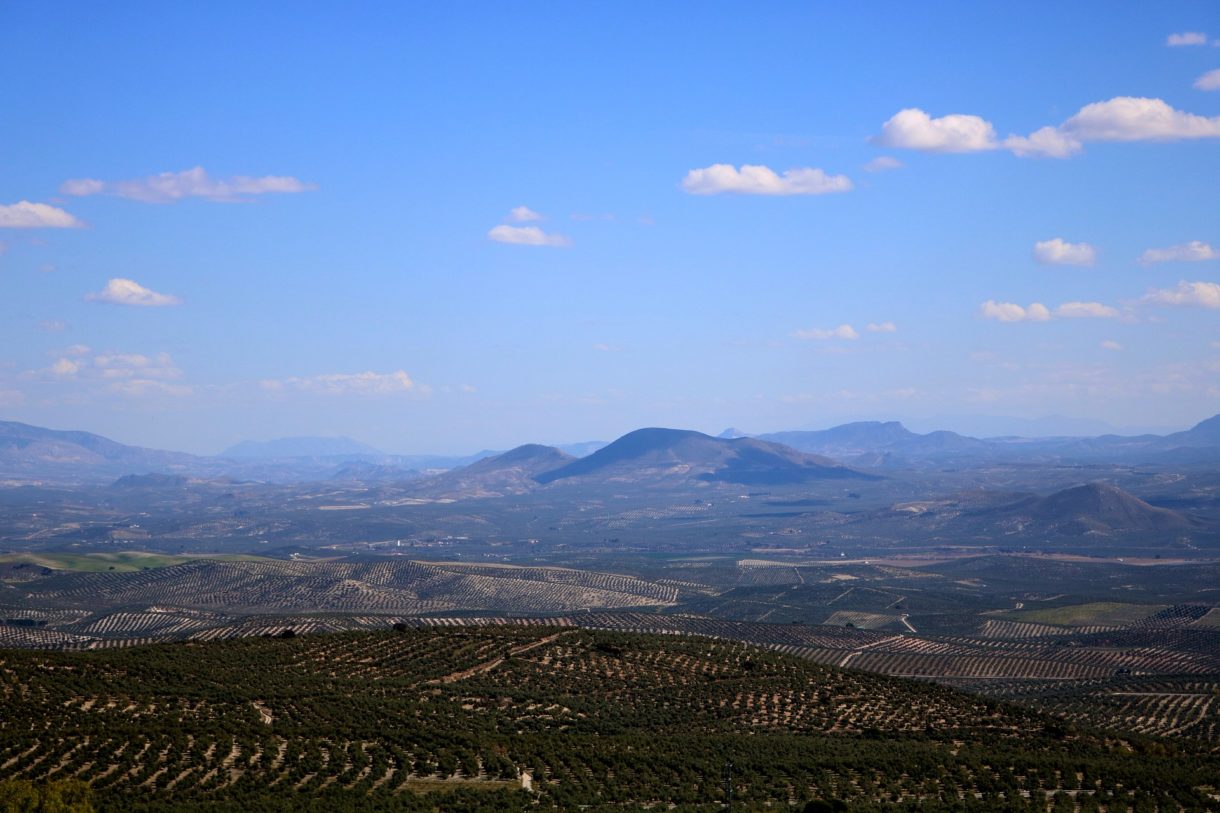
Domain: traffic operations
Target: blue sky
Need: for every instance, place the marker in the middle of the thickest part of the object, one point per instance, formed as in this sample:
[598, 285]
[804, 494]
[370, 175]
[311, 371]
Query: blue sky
[324, 252]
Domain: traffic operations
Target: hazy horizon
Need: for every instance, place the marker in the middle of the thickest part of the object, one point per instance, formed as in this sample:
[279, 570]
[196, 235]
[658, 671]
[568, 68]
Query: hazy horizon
[437, 232]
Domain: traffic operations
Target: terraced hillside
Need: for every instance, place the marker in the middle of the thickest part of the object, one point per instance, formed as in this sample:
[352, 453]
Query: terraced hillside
[389, 585]
[468, 718]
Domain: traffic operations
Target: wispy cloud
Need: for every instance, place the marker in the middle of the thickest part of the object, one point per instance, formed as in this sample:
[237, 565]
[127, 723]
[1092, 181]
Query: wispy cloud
[1086, 310]
[755, 179]
[527, 236]
[1110, 344]
[168, 187]
[1187, 294]
[1186, 38]
[128, 374]
[840, 332]
[121, 291]
[1194, 251]
[1058, 251]
[881, 327]
[1209, 80]
[523, 214]
[27, 215]
[53, 326]
[367, 383]
[883, 163]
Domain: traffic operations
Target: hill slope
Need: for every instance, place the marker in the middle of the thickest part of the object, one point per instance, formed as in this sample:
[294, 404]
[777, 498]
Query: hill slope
[32, 452]
[371, 721]
[1091, 508]
[513, 472]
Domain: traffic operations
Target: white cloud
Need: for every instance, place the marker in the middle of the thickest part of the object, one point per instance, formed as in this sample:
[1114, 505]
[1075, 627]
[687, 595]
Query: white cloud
[523, 214]
[168, 187]
[1209, 80]
[1123, 118]
[367, 383]
[53, 326]
[26, 215]
[840, 332]
[881, 327]
[755, 179]
[77, 350]
[121, 291]
[1058, 251]
[1194, 251]
[1011, 312]
[913, 129]
[1110, 344]
[883, 163]
[65, 367]
[1130, 118]
[527, 236]
[1187, 294]
[1186, 38]
[1085, 310]
[1047, 142]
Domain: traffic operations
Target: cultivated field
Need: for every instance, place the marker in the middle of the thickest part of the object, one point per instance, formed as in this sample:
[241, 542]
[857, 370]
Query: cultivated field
[373, 719]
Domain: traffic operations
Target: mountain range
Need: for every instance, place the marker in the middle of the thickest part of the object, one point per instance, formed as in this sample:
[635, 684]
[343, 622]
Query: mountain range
[35, 454]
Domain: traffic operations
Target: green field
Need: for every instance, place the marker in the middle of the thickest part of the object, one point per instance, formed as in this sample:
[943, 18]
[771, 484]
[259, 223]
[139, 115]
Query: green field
[1099, 613]
[120, 562]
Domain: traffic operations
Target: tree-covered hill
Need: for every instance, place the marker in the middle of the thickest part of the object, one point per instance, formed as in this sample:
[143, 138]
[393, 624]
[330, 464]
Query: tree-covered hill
[453, 719]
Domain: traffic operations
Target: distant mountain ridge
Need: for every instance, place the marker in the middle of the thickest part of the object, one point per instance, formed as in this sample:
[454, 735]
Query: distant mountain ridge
[880, 443]
[35, 454]
[301, 447]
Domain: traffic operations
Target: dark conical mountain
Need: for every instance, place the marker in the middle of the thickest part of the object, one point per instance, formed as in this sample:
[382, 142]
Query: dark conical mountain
[1091, 508]
[680, 455]
[513, 472]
